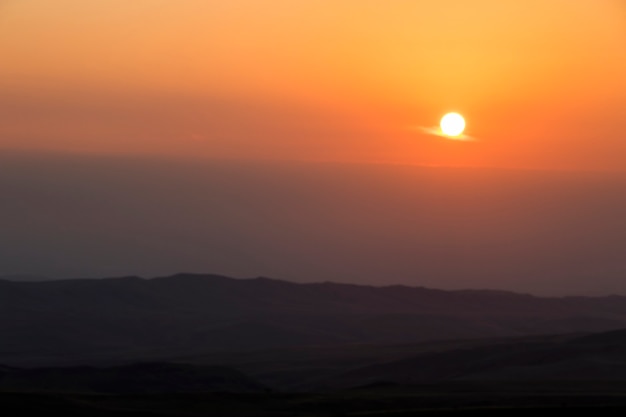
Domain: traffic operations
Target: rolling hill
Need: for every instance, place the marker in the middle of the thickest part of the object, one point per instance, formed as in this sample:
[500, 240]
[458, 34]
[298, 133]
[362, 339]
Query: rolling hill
[120, 319]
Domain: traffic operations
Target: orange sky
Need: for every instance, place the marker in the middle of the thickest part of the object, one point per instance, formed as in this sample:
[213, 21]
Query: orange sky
[541, 82]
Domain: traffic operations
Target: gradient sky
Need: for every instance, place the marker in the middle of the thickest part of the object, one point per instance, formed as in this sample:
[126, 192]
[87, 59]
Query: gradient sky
[166, 132]
[541, 82]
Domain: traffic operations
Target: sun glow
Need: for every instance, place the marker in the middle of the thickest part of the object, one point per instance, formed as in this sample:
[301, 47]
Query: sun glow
[452, 124]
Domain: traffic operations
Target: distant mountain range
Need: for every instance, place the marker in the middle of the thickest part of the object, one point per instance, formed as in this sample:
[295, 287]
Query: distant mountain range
[116, 320]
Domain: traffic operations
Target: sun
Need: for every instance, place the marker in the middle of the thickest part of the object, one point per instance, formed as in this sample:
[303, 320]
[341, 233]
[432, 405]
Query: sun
[452, 124]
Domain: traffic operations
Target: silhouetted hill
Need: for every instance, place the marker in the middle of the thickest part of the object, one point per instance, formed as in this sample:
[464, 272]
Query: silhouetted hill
[140, 378]
[614, 338]
[86, 321]
[597, 357]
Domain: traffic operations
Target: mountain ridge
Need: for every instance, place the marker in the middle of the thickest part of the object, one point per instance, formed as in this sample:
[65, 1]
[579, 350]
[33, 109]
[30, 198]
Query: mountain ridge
[83, 320]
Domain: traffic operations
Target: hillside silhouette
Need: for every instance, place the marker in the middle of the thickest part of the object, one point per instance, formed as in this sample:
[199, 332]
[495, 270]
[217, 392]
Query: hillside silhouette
[86, 321]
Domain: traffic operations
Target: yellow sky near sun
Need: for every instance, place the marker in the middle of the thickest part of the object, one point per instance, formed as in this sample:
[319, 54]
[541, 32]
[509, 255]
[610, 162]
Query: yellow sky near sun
[538, 80]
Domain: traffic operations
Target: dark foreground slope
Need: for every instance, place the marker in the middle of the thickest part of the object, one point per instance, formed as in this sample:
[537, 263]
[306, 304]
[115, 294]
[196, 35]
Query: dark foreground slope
[140, 378]
[95, 321]
[476, 400]
[515, 377]
[390, 401]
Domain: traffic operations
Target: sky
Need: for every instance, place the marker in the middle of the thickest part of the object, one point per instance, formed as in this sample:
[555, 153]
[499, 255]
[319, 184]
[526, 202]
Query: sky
[294, 139]
[540, 82]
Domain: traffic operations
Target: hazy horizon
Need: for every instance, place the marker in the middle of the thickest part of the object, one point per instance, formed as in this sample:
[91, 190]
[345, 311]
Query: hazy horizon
[543, 232]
